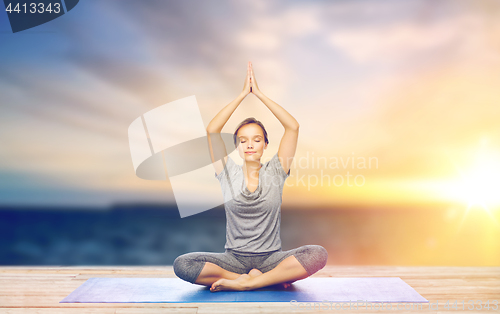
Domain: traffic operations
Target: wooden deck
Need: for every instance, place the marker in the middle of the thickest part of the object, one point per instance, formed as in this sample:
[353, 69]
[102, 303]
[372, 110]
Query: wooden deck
[39, 289]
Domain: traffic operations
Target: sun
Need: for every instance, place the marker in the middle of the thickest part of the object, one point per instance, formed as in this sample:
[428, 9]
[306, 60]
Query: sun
[479, 184]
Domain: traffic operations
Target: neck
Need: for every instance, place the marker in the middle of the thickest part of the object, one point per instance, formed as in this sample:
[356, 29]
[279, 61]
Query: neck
[251, 166]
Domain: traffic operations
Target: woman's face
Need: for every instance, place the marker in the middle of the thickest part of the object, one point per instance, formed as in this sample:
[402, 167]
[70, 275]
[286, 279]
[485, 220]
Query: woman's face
[251, 140]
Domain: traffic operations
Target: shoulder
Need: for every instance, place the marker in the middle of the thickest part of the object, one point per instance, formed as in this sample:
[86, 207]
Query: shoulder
[230, 168]
[275, 166]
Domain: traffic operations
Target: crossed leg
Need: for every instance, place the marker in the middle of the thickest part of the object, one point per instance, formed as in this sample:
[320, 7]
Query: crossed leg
[255, 272]
[288, 270]
[280, 267]
[212, 272]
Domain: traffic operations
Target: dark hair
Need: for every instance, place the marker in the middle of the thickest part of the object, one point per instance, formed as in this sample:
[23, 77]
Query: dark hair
[248, 121]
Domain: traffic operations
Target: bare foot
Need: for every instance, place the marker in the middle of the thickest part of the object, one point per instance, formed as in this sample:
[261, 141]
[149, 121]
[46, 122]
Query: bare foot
[238, 284]
[243, 277]
[255, 272]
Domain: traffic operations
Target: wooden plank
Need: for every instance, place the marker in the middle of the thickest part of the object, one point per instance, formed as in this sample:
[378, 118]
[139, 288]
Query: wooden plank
[186, 310]
[139, 310]
[39, 289]
[56, 311]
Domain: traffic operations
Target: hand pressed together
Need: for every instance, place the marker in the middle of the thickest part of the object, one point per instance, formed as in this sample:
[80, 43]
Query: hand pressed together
[250, 85]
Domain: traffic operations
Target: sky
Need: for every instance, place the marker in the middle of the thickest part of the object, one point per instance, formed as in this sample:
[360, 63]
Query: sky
[408, 87]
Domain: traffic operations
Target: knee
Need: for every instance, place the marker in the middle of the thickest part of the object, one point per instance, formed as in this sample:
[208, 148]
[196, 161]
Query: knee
[318, 256]
[321, 254]
[184, 267]
[180, 265]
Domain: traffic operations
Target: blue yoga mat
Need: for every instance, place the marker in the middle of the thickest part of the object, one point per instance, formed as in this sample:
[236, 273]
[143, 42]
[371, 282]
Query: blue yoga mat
[175, 290]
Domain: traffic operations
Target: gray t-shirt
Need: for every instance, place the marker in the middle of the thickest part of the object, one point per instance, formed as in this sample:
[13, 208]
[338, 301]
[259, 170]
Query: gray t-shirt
[253, 218]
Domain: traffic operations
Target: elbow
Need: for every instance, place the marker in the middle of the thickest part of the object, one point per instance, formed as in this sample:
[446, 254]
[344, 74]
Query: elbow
[294, 127]
[212, 130]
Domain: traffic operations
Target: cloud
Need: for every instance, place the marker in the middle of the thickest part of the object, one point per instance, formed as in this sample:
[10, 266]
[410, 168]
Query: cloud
[399, 40]
[110, 63]
[270, 31]
[420, 29]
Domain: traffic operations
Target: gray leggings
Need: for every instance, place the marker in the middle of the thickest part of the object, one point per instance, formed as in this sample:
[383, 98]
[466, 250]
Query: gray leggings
[188, 266]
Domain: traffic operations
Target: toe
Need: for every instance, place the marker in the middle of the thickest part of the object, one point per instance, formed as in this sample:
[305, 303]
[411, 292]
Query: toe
[214, 286]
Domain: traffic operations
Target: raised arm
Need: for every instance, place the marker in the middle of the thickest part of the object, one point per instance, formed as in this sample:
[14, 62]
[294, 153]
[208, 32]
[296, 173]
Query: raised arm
[288, 143]
[216, 145]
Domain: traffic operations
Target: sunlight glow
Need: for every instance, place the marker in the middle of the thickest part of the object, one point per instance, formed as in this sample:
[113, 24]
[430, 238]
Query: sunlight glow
[480, 184]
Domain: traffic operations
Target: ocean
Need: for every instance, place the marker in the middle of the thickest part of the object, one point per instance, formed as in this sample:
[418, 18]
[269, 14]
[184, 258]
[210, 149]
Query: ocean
[138, 234]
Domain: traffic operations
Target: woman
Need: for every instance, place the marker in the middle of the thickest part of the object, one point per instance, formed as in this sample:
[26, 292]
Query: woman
[253, 257]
